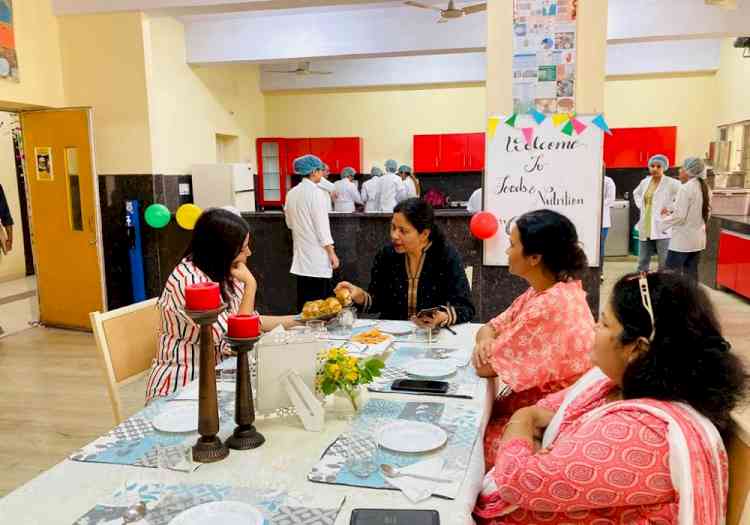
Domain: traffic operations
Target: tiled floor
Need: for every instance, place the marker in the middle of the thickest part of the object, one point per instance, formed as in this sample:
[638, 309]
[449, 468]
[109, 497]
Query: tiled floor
[52, 388]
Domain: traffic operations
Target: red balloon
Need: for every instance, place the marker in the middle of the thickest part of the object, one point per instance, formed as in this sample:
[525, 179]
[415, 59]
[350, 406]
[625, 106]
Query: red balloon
[483, 225]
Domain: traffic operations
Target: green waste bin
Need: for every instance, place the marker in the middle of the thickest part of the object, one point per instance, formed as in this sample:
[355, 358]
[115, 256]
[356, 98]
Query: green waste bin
[635, 243]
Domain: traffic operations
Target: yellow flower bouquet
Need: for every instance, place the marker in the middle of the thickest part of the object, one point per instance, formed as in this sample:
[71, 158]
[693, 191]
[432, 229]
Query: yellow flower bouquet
[337, 370]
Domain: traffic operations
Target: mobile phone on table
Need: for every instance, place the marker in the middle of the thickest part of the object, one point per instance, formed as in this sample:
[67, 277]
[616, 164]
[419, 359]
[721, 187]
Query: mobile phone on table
[394, 517]
[420, 385]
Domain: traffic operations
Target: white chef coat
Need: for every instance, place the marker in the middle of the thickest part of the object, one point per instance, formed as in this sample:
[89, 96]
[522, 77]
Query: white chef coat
[307, 216]
[664, 196]
[686, 219]
[475, 201]
[328, 187]
[410, 188]
[392, 191]
[609, 200]
[347, 195]
[371, 194]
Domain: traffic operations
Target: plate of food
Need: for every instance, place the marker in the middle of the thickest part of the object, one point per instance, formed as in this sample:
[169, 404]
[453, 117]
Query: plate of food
[374, 341]
[320, 310]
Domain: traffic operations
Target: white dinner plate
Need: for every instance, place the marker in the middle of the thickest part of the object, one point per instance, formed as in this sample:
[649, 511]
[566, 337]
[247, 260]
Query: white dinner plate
[430, 368]
[177, 417]
[220, 513]
[397, 327]
[411, 436]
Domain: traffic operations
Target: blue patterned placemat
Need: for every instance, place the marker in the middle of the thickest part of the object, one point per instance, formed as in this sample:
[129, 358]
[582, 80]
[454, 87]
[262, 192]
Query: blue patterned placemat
[136, 442]
[165, 502]
[460, 422]
[462, 384]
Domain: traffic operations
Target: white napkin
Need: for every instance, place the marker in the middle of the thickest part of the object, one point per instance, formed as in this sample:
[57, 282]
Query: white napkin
[414, 489]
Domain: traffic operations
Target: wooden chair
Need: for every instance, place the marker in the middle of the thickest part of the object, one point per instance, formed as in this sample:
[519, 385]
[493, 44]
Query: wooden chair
[128, 339]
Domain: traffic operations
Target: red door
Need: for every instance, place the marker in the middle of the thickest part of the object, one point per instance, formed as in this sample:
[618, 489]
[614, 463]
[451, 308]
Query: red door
[271, 189]
[727, 264]
[325, 150]
[296, 148]
[426, 154]
[454, 149]
[348, 153]
[476, 152]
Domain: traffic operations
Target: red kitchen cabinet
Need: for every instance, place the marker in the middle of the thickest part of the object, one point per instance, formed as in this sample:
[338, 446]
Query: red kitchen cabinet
[426, 155]
[742, 286]
[325, 150]
[348, 154]
[296, 148]
[272, 172]
[476, 152]
[632, 147]
[726, 265]
[454, 152]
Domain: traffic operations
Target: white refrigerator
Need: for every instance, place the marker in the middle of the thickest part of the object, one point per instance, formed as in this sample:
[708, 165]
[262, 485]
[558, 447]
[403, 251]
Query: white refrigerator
[216, 185]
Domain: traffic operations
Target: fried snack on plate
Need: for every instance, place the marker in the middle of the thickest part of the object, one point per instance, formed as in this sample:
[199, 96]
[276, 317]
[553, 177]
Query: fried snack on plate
[370, 337]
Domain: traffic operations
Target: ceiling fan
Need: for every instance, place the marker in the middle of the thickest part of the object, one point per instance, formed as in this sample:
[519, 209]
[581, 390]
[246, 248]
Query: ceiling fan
[451, 12]
[303, 68]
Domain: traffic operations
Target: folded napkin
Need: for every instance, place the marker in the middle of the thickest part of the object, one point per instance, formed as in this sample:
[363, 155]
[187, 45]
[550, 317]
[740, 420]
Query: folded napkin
[417, 490]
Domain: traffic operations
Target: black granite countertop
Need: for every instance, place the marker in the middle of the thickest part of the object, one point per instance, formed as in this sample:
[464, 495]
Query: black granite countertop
[739, 219]
[336, 215]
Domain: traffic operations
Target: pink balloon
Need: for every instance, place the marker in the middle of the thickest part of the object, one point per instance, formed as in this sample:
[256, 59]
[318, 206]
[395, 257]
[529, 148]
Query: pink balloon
[483, 225]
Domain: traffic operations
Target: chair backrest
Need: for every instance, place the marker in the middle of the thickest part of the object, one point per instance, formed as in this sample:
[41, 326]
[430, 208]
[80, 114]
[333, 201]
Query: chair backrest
[127, 339]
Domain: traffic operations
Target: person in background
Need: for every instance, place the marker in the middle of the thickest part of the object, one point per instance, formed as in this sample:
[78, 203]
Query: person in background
[419, 270]
[610, 192]
[347, 194]
[306, 214]
[411, 183]
[688, 218]
[371, 190]
[218, 251]
[6, 222]
[541, 343]
[475, 201]
[638, 439]
[654, 194]
[392, 189]
[328, 187]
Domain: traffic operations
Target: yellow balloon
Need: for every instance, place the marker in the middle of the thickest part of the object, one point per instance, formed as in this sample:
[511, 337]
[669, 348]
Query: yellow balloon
[187, 215]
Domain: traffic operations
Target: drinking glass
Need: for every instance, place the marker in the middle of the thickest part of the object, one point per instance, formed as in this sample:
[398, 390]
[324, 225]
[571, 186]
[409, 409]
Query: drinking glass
[361, 451]
[317, 329]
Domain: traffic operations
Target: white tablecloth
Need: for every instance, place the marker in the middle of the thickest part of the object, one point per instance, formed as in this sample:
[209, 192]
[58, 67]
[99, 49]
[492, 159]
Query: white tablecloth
[69, 489]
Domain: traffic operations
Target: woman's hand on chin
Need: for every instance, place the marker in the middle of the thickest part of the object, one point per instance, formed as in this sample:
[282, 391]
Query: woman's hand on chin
[241, 272]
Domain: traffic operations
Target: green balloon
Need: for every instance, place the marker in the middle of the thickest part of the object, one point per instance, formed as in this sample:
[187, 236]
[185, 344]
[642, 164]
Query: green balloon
[157, 216]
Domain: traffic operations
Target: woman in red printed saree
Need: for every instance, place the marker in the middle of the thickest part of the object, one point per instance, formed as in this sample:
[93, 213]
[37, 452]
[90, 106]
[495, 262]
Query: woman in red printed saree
[541, 343]
[637, 439]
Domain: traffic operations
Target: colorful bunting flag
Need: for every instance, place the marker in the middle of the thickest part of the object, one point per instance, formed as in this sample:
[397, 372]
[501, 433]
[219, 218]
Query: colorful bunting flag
[512, 120]
[528, 134]
[492, 123]
[559, 118]
[578, 125]
[538, 116]
[568, 128]
[601, 123]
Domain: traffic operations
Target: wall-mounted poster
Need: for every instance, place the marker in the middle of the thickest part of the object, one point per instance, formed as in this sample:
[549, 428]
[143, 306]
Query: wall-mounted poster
[8, 57]
[544, 49]
[43, 161]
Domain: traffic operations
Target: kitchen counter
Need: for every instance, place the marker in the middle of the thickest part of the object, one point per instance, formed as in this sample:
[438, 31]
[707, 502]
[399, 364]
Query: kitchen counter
[709, 258]
[358, 237]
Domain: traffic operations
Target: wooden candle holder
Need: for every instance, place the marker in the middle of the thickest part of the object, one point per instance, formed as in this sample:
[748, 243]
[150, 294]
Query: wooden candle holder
[245, 436]
[209, 447]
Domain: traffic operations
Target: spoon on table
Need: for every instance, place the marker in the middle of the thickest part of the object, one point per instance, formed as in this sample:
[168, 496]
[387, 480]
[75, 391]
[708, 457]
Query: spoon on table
[391, 471]
[134, 513]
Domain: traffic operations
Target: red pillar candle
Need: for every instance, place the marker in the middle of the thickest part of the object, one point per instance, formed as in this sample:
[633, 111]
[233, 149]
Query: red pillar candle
[202, 296]
[242, 326]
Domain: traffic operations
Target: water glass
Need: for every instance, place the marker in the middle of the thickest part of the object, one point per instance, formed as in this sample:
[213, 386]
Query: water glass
[361, 451]
[347, 318]
[317, 329]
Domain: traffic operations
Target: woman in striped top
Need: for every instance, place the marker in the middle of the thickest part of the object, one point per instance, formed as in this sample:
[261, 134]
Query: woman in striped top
[217, 252]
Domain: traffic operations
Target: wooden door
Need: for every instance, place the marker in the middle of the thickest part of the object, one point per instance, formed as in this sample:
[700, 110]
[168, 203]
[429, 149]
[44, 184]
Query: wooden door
[64, 215]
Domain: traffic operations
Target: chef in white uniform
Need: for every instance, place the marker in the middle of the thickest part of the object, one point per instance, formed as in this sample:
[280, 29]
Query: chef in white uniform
[392, 189]
[371, 190]
[347, 193]
[328, 187]
[306, 214]
[410, 181]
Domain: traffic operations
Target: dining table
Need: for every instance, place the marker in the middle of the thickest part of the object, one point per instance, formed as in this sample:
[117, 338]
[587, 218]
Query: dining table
[70, 489]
